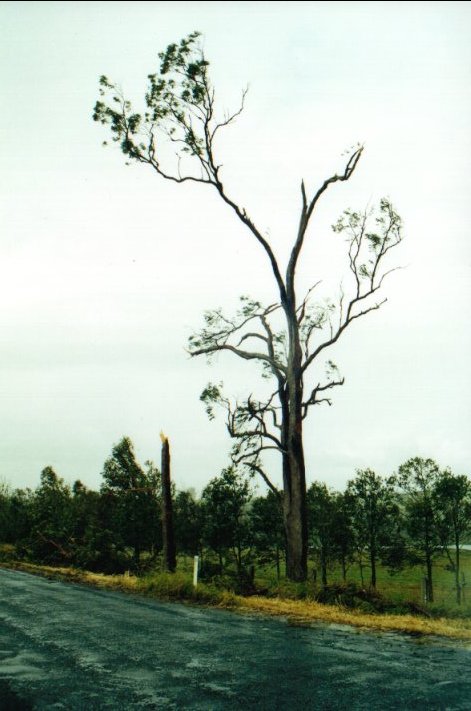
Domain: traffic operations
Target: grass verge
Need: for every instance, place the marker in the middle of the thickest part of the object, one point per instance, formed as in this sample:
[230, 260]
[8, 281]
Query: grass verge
[178, 587]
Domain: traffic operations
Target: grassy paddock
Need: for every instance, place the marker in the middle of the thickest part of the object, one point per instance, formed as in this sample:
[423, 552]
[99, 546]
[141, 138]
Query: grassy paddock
[179, 586]
[404, 586]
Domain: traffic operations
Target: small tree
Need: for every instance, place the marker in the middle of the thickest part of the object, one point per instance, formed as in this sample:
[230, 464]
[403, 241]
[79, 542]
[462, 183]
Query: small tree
[452, 502]
[187, 523]
[321, 512]
[418, 479]
[177, 136]
[21, 509]
[132, 496]
[52, 518]
[267, 530]
[224, 503]
[342, 531]
[374, 512]
[94, 544]
[6, 524]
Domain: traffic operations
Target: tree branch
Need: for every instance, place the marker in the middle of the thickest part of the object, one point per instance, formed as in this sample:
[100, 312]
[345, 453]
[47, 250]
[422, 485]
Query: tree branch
[314, 400]
[306, 213]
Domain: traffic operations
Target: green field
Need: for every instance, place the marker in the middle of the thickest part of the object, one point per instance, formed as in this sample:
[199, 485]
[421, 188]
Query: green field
[404, 586]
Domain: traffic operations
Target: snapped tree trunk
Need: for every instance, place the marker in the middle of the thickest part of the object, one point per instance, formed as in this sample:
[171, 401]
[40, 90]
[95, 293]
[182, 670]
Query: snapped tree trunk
[169, 555]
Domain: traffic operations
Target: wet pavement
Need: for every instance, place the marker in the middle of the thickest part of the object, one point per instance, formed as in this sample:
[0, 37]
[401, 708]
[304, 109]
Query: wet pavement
[65, 646]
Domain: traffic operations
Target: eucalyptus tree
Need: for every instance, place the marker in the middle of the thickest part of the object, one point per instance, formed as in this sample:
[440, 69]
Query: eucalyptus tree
[343, 534]
[374, 515]
[225, 514]
[52, 527]
[267, 530]
[418, 479]
[177, 137]
[452, 503]
[187, 523]
[322, 520]
[5, 512]
[132, 493]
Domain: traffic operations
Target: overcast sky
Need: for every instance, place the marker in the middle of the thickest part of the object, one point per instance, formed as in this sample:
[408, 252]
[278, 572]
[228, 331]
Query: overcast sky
[106, 270]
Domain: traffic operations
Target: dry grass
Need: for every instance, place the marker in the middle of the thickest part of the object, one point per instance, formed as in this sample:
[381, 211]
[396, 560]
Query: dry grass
[311, 611]
[178, 587]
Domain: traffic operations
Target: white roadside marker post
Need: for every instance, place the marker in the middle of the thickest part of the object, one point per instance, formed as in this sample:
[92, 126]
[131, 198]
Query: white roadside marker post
[195, 571]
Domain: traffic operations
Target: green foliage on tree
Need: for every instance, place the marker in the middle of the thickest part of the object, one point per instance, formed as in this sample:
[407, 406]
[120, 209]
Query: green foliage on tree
[93, 545]
[374, 514]
[132, 495]
[51, 519]
[225, 504]
[452, 502]
[187, 521]
[321, 516]
[267, 530]
[342, 531]
[5, 512]
[418, 479]
[413, 517]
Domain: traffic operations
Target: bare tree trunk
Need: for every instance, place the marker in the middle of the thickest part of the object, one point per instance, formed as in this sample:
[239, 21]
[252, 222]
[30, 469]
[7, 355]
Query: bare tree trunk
[294, 473]
[294, 506]
[169, 555]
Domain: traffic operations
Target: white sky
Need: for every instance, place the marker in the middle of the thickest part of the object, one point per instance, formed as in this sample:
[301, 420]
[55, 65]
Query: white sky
[105, 269]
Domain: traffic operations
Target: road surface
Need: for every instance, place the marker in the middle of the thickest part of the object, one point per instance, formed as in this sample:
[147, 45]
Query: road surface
[65, 646]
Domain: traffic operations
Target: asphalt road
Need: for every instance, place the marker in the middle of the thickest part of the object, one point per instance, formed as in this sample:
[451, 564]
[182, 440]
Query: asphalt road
[69, 647]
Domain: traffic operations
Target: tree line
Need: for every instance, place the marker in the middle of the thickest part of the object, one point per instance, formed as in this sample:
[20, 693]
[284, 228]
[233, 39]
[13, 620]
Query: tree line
[410, 518]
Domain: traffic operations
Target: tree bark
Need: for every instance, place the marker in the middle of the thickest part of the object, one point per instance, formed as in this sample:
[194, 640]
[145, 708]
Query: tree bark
[294, 482]
[169, 555]
[294, 471]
